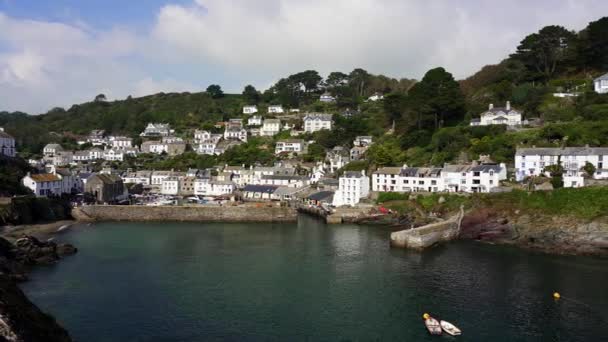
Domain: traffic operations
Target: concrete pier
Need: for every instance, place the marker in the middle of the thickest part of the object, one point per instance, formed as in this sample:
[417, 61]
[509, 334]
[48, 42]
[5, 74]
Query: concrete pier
[429, 235]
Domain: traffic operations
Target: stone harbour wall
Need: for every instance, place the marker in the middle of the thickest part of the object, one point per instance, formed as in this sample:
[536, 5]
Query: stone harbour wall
[428, 235]
[185, 213]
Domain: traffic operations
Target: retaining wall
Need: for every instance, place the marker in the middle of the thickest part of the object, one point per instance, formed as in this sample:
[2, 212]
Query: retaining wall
[185, 213]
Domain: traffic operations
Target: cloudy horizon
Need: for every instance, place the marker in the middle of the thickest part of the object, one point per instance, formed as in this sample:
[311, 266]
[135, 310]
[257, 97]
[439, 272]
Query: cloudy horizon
[68, 52]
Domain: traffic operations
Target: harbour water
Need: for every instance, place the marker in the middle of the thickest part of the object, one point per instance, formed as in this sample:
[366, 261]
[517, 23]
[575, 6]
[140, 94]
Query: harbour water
[308, 281]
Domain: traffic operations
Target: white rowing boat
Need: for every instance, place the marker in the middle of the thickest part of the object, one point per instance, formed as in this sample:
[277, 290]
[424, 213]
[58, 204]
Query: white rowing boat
[450, 328]
[432, 326]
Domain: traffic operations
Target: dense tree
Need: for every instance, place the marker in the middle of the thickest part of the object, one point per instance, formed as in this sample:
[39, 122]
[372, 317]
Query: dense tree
[215, 91]
[358, 80]
[336, 79]
[100, 98]
[437, 100]
[594, 44]
[251, 95]
[544, 52]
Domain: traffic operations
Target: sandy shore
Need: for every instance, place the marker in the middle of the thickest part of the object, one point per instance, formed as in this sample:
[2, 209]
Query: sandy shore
[41, 231]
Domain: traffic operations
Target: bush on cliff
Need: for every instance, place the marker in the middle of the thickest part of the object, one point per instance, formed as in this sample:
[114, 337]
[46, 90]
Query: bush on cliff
[30, 209]
[584, 203]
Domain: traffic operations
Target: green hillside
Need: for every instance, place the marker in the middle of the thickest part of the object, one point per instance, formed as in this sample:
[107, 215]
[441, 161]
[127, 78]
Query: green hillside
[431, 117]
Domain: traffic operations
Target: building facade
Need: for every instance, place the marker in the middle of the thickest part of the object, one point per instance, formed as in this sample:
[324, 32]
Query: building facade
[600, 84]
[532, 162]
[499, 116]
[316, 122]
[353, 186]
[7, 144]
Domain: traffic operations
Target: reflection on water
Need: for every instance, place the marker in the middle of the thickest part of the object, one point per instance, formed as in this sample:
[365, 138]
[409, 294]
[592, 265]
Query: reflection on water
[308, 281]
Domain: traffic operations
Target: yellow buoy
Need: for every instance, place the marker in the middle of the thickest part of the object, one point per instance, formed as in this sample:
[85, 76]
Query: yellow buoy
[426, 316]
[556, 295]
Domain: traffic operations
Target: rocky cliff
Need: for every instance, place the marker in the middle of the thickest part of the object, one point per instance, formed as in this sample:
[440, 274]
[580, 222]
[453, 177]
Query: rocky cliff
[550, 233]
[20, 319]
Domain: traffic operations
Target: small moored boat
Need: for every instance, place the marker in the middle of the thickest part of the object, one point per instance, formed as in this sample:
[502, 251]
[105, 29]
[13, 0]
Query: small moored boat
[432, 325]
[450, 328]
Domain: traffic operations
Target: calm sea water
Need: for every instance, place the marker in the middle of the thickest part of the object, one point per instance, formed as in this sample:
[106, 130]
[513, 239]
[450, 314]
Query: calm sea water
[308, 281]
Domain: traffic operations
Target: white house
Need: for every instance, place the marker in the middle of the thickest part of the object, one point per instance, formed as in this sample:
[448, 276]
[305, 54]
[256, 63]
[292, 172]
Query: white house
[97, 137]
[327, 98]
[353, 186]
[206, 147]
[255, 120]
[363, 140]
[296, 146]
[140, 177]
[82, 156]
[44, 184]
[376, 97]
[7, 144]
[120, 142]
[271, 127]
[275, 109]
[600, 84]
[95, 153]
[170, 186]
[316, 121]
[235, 133]
[157, 130]
[201, 135]
[282, 180]
[250, 109]
[530, 162]
[51, 149]
[450, 178]
[499, 116]
[337, 158]
[205, 187]
[158, 147]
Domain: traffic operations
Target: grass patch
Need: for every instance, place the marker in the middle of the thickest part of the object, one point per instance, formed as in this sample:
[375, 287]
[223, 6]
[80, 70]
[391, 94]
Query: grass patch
[586, 203]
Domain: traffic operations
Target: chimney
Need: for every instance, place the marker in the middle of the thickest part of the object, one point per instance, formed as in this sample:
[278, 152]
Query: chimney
[508, 105]
[491, 106]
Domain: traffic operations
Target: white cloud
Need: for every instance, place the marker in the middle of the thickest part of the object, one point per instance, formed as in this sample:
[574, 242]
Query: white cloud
[149, 86]
[236, 42]
[398, 38]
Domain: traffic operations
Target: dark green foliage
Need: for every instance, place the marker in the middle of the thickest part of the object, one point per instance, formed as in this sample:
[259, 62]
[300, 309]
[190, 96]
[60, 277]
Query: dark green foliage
[545, 52]
[251, 95]
[30, 209]
[589, 169]
[392, 196]
[594, 44]
[437, 100]
[316, 152]
[215, 91]
[12, 170]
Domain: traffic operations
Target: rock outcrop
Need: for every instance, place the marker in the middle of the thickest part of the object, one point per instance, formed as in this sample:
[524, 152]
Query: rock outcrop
[20, 319]
[553, 234]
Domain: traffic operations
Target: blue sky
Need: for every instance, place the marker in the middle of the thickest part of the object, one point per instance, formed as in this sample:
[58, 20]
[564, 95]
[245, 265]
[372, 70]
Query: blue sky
[61, 52]
[98, 13]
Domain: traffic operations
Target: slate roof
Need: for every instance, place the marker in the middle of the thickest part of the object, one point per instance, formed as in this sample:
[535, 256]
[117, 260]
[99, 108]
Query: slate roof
[557, 151]
[266, 189]
[318, 116]
[388, 171]
[603, 77]
[321, 195]
[486, 168]
[353, 174]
